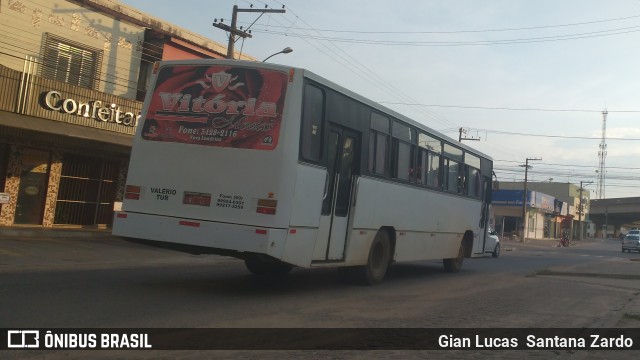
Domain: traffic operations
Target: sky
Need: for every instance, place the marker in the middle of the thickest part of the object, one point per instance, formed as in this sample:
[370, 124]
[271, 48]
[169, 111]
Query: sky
[528, 79]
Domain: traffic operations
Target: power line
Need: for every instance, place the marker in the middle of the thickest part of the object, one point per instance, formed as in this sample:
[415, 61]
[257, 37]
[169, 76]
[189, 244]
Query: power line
[569, 172]
[548, 135]
[591, 34]
[15, 44]
[508, 108]
[460, 31]
[348, 61]
[565, 165]
[234, 31]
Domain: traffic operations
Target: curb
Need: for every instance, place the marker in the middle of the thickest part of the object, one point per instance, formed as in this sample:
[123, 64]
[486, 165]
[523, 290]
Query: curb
[31, 232]
[549, 243]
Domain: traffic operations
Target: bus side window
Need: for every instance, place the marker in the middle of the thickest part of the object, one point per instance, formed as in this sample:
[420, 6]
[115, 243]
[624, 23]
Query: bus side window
[473, 184]
[403, 158]
[453, 176]
[454, 166]
[433, 172]
[379, 144]
[312, 120]
[463, 179]
[429, 159]
[421, 170]
[473, 175]
[403, 151]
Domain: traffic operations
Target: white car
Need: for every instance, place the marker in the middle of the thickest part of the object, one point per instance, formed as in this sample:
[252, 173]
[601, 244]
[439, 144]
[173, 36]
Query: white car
[631, 242]
[492, 245]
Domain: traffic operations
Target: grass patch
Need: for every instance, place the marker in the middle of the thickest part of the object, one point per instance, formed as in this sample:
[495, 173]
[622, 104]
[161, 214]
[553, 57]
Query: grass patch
[631, 316]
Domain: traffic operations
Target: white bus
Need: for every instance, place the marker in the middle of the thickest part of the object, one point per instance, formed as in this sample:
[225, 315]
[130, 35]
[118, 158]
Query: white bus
[280, 167]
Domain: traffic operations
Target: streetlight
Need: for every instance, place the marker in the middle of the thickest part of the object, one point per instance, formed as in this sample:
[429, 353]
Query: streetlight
[283, 51]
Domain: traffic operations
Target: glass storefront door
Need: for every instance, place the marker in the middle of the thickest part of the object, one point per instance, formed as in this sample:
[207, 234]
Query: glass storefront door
[32, 193]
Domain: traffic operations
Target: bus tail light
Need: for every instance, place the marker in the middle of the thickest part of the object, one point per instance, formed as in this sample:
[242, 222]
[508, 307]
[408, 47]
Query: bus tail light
[189, 223]
[132, 192]
[267, 206]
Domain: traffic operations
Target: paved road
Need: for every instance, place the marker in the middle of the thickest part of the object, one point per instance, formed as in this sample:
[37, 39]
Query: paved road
[106, 282]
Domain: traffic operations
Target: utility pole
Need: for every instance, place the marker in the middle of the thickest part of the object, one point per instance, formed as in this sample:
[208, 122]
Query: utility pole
[580, 209]
[524, 196]
[465, 132]
[606, 223]
[233, 30]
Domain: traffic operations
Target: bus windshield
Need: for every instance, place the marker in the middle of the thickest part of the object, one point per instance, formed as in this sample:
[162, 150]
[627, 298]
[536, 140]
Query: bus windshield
[221, 106]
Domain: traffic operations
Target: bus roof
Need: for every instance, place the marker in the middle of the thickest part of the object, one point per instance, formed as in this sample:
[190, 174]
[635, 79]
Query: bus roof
[321, 80]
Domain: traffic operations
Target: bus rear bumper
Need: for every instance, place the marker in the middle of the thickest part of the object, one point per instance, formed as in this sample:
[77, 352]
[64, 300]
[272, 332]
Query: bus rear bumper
[200, 236]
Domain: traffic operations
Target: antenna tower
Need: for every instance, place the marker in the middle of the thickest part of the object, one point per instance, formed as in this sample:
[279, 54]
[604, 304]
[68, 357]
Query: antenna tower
[602, 154]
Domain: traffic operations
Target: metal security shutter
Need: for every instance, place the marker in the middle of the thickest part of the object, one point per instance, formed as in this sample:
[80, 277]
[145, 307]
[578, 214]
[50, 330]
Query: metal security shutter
[87, 190]
[70, 62]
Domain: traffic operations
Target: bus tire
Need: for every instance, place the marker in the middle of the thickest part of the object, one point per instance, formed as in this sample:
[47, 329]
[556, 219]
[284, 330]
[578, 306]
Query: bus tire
[455, 264]
[378, 261]
[259, 266]
[496, 251]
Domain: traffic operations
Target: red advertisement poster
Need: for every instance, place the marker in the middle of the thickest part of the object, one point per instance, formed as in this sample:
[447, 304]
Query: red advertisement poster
[217, 106]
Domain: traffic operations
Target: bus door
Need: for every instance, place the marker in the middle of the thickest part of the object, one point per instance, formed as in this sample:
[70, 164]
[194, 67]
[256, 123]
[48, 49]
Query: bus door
[342, 168]
[481, 244]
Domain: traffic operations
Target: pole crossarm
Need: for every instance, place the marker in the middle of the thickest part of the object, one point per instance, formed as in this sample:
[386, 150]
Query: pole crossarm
[236, 32]
[263, 10]
[233, 29]
[465, 131]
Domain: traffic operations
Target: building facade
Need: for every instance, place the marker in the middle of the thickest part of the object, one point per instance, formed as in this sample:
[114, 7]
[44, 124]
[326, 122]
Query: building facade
[570, 213]
[72, 77]
[545, 216]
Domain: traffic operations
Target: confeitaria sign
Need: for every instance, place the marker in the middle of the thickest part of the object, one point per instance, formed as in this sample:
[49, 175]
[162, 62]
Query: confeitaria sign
[95, 109]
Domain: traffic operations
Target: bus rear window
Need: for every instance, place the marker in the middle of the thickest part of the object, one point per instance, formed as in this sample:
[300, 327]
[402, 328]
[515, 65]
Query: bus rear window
[221, 106]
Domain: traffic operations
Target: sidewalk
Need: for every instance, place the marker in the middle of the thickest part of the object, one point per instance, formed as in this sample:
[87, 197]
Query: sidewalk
[607, 272]
[551, 242]
[28, 232]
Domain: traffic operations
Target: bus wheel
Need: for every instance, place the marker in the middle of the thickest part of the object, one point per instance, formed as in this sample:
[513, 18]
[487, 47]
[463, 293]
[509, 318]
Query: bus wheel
[454, 264]
[496, 251]
[379, 260]
[259, 266]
